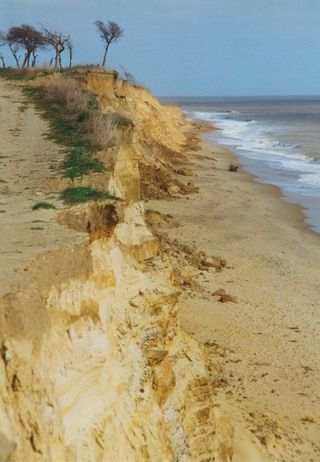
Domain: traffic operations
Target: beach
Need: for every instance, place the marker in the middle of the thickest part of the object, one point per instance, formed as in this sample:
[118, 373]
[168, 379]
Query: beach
[267, 341]
[176, 319]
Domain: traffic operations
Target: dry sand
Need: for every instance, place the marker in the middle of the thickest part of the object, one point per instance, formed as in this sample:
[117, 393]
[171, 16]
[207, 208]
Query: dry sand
[28, 162]
[267, 342]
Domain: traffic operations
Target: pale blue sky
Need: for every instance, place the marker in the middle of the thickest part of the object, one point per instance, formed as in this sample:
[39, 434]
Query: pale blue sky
[194, 47]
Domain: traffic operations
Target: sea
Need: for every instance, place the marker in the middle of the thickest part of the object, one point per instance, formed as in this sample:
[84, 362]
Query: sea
[276, 139]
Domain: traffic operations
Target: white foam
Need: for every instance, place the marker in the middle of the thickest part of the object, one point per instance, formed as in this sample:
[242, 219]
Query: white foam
[310, 179]
[254, 141]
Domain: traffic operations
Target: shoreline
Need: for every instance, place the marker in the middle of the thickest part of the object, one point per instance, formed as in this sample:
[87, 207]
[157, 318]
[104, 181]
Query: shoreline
[255, 178]
[273, 189]
[265, 341]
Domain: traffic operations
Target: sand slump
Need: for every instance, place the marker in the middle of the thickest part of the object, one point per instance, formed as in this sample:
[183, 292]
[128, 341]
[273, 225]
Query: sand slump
[94, 365]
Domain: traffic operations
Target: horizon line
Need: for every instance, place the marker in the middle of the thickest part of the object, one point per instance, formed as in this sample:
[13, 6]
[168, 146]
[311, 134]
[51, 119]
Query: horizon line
[242, 96]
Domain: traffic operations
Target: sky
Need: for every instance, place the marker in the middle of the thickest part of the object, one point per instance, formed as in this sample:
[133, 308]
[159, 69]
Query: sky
[193, 47]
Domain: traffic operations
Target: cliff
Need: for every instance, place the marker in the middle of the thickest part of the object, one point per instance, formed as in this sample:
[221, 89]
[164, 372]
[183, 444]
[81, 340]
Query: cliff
[94, 364]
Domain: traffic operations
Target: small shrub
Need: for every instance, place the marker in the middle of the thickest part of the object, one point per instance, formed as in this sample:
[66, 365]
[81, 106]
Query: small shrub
[80, 162]
[263, 440]
[80, 194]
[102, 129]
[68, 92]
[120, 120]
[43, 205]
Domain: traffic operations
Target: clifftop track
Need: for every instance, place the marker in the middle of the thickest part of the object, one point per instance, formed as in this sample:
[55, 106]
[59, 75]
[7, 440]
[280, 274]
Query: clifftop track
[28, 162]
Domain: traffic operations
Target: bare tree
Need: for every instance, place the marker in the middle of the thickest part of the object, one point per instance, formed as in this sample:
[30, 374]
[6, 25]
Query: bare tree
[14, 48]
[126, 75]
[59, 42]
[70, 50]
[2, 61]
[27, 38]
[109, 33]
[2, 43]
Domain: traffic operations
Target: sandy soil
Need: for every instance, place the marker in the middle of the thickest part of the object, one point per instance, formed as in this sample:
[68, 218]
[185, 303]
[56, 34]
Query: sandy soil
[268, 341]
[28, 161]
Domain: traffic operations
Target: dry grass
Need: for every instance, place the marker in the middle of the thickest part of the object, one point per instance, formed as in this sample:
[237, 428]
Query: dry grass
[82, 106]
[68, 91]
[102, 129]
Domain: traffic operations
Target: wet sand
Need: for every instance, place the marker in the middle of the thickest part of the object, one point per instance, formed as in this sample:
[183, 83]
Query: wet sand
[267, 342]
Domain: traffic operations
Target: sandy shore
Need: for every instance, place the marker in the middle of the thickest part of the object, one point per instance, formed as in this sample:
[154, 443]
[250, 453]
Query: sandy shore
[268, 341]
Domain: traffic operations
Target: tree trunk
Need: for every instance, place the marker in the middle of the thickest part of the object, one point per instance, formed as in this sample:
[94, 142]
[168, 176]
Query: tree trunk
[3, 62]
[25, 60]
[15, 56]
[56, 59]
[70, 58]
[105, 56]
[59, 50]
[34, 59]
[59, 61]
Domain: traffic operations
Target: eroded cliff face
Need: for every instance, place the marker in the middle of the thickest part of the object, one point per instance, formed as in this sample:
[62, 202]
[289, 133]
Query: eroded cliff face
[94, 366]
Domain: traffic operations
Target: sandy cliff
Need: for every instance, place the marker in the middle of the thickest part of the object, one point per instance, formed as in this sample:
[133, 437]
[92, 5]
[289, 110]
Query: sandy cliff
[94, 365]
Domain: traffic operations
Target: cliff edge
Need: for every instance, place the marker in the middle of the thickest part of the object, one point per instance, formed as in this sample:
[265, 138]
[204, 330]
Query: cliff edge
[94, 364]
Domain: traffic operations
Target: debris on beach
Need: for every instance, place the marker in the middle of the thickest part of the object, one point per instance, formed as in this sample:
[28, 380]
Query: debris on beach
[233, 168]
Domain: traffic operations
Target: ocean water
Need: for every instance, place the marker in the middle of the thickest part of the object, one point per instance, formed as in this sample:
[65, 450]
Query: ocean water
[277, 139]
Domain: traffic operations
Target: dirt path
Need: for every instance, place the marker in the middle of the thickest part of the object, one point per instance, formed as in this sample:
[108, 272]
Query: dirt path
[28, 161]
[269, 340]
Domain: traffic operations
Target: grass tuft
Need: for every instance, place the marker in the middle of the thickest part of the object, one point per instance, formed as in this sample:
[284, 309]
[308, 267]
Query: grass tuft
[81, 194]
[263, 440]
[43, 205]
[79, 162]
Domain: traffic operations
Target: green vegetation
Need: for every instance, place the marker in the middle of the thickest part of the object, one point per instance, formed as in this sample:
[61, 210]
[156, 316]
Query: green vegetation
[2, 181]
[43, 205]
[81, 194]
[21, 74]
[78, 124]
[67, 125]
[79, 162]
[69, 111]
[263, 440]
